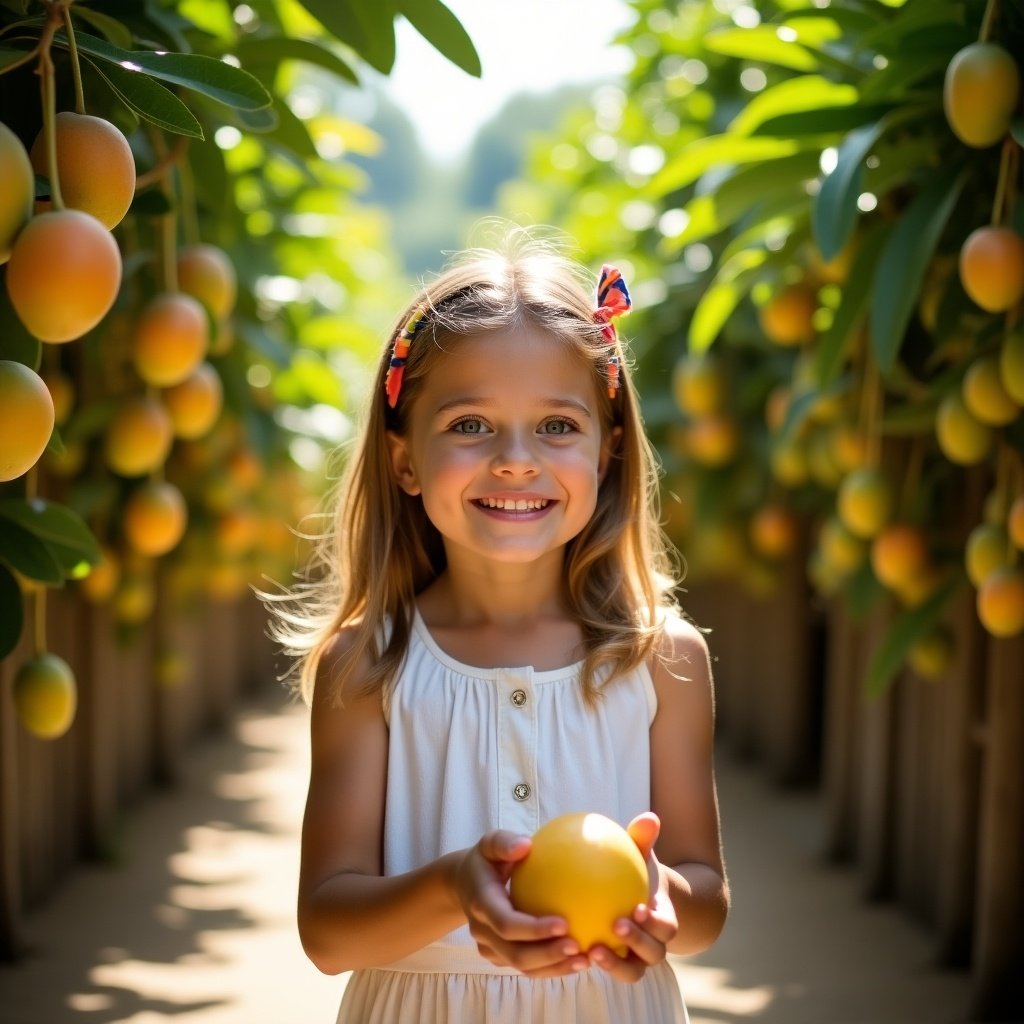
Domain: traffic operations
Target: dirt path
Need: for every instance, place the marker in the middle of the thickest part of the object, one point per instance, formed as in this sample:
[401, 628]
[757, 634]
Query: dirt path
[195, 924]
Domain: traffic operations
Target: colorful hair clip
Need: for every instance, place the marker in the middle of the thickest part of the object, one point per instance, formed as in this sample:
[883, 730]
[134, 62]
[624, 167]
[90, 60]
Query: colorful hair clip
[399, 355]
[612, 301]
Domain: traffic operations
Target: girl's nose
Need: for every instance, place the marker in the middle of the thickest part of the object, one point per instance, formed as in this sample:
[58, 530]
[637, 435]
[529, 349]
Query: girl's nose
[514, 457]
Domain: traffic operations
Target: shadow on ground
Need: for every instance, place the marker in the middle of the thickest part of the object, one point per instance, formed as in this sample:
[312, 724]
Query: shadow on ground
[195, 924]
[802, 946]
[195, 914]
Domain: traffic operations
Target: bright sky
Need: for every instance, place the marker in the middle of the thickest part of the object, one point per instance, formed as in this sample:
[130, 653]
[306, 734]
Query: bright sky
[524, 46]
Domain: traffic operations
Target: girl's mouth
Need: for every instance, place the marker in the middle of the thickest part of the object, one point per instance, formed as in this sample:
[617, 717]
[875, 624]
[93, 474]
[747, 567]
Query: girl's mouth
[521, 508]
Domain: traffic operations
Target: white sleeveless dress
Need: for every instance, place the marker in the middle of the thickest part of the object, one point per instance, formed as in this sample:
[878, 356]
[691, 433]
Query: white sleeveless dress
[474, 749]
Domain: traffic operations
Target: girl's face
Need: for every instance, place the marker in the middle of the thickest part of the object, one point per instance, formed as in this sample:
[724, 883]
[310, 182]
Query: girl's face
[504, 444]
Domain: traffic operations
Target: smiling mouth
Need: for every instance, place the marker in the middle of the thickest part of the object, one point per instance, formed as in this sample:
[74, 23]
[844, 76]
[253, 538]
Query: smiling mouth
[510, 505]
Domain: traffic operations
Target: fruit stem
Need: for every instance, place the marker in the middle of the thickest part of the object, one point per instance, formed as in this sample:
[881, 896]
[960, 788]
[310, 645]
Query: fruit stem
[1012, 152]
[987, 21]
[187, 197]
[39, 622]
[999, 204]
[872, 384]
[1004, 476]
[30, 55]
[76, 67]
[168, 226]
[37, 598]
[912, 477]
[48, 88]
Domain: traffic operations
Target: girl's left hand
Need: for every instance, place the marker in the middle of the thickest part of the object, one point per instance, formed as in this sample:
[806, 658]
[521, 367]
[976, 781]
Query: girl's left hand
[653, 925]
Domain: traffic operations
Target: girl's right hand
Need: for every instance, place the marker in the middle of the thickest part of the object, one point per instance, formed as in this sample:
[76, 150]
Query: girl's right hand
[536, 946]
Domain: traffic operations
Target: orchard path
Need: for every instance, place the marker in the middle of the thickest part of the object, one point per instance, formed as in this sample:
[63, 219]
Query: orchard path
[194, 925]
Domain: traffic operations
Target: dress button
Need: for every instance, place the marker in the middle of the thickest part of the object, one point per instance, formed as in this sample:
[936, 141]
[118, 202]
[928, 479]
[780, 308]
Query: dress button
[521, 792]
[519, 698]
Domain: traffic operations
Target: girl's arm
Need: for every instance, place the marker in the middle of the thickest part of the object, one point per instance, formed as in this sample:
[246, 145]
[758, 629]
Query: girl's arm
[683, 794]
[681, 840]
[351, 916]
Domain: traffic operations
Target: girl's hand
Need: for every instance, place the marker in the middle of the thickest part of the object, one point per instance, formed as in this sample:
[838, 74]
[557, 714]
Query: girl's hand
[652, 925]
[536, 946]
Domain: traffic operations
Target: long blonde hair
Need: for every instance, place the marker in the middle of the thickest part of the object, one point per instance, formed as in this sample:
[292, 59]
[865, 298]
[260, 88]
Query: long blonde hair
[381, 550]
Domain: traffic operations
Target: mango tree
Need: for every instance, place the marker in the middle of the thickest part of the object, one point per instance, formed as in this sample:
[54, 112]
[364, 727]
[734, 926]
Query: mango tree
[820, 202]
[188, 288]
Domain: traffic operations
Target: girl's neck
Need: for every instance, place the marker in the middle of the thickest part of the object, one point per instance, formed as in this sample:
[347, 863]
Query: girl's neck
[505, 595]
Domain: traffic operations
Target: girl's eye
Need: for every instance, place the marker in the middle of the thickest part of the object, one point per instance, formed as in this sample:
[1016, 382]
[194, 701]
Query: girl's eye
[558, 426]
[470, 425]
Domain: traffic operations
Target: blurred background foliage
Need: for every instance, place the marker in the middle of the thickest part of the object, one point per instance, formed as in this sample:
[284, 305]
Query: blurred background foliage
[779, 180]
[234, 114]
[794, 192]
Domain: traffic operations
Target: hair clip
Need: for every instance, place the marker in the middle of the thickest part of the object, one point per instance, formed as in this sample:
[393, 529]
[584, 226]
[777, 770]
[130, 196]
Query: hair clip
[612, 300]
[399, 355]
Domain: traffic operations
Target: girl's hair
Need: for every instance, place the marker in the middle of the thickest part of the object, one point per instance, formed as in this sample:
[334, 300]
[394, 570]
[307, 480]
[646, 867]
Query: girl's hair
[380, 549]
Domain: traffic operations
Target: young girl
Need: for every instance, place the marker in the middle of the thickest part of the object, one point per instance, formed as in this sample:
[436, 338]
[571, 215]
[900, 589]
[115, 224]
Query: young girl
[490, 643]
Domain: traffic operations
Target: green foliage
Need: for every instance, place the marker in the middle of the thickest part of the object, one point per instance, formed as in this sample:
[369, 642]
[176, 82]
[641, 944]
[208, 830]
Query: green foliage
[908, 628]
[903, 261]
[12, 615]
[205, 92]
[797, 152]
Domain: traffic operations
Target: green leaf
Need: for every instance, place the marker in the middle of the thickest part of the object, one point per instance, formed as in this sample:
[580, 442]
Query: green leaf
[910, 627]
[821, 122]
[23, 551]
[206, 75]
[369, 28]
[903, 261]
[210, 176]
[169, 25]
[1017, 131]
[54, 524]
[276, 49]
[256, 120]
[293, 133]
[890, 32]
[834, 212]
[815, 28]
[257, 338]
[113, 30]
[779, 221]
[55, 446]
[443, 31]
[12, 612]
[853, 305]
[862, 591]
[316, 379]
[746, 189]
[893, 82]
[150, 100]
[705, 153]
[798, 410]
[764, 43]
[722, 297]
[804, 93]
[910, 420]
[11, 55]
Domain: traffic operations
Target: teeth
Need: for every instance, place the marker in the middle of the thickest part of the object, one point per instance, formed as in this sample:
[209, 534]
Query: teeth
[522, 505]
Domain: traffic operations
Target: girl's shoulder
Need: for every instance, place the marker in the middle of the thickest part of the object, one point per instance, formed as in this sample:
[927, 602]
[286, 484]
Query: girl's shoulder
[342, 668]
[680, 654]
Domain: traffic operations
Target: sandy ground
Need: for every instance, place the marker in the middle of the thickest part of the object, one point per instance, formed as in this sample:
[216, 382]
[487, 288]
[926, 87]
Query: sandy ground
[195, 922]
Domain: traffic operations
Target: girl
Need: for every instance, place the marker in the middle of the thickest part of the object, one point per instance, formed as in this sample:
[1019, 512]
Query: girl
[490, 643]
